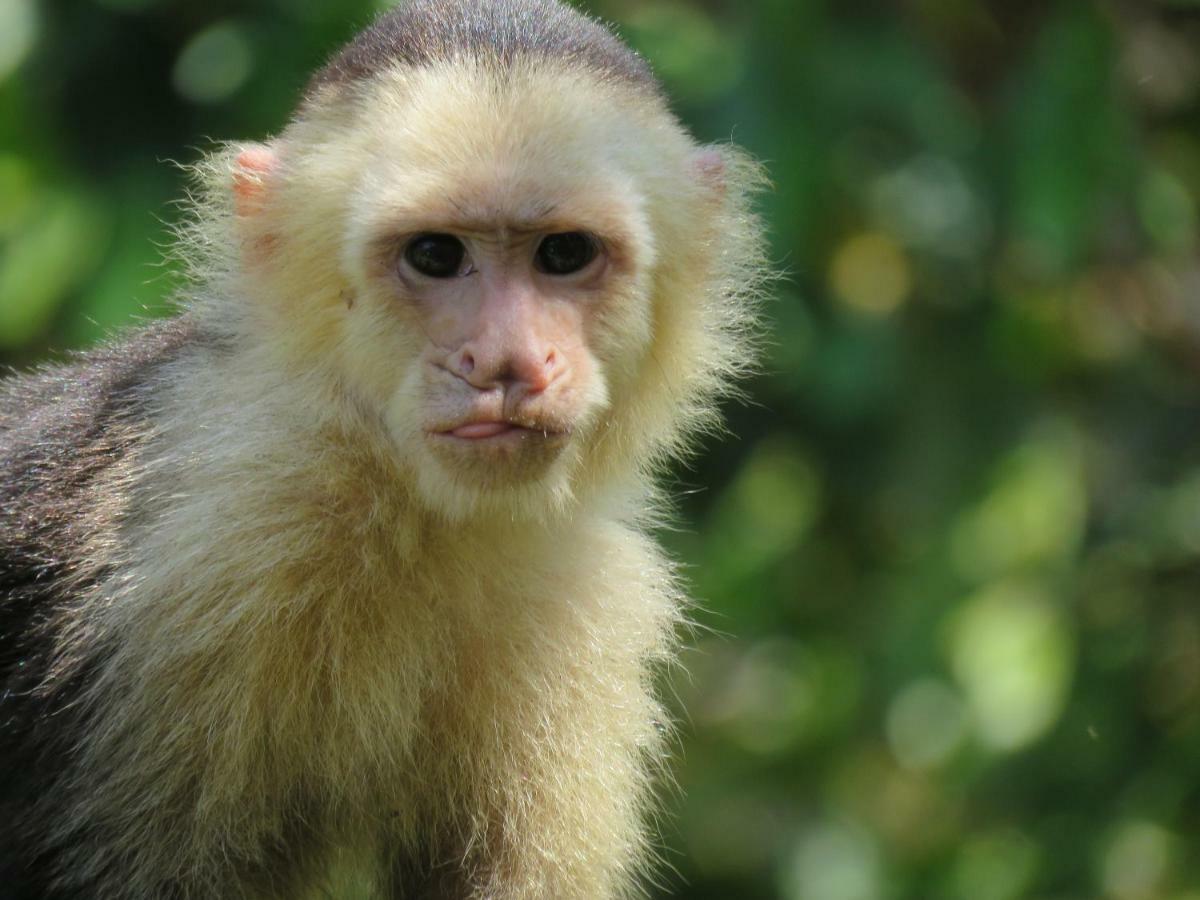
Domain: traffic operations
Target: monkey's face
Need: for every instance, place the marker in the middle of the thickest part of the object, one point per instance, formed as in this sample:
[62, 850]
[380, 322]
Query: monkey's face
[502, 292]
[520, 313]
[506, 378]
[510, 274]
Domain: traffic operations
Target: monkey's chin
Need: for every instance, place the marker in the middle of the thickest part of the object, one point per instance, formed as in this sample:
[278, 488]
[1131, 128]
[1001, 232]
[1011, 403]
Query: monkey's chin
[497, 454]
[511, 471]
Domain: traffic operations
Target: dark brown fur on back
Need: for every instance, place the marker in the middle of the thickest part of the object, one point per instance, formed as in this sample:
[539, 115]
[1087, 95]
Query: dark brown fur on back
[61, 430]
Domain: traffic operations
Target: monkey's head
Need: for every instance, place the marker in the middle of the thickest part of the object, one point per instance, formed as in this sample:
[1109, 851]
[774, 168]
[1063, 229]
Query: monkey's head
[508, 252]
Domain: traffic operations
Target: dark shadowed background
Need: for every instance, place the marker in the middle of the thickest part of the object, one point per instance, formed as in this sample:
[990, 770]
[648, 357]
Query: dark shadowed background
[950, 563]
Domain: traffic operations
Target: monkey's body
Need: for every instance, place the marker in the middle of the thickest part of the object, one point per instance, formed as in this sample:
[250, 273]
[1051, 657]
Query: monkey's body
[270, 682]
[339, 584]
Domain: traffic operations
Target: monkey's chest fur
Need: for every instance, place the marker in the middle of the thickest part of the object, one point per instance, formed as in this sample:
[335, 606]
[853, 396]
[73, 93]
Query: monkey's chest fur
[365, 712]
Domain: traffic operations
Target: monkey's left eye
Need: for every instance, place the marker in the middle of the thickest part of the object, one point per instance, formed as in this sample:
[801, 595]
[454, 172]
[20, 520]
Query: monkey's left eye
[436, 255]
[566, 252]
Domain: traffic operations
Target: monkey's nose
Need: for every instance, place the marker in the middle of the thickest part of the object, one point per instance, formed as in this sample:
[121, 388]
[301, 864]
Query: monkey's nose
[535, 376]
[462, 363]
[530, 372]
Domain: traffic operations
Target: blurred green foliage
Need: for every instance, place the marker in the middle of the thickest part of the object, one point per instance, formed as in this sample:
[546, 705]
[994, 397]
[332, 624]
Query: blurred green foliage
[949, 642]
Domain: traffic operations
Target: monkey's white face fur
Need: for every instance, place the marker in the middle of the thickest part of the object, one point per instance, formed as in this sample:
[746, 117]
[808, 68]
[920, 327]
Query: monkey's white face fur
[499, 376]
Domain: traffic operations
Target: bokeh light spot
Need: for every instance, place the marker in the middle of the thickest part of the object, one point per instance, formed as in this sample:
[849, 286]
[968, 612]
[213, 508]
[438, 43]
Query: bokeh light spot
[57, 248]
[690, 52]
[767, 510]
[18, 31]
[1178, 513]
[1160, 64]
[1137, 862]
[214, 64]
[926, 723]
[1033, 514]
[834, 861]
[870, 273]
[19, 192]
[996, 865]
[1168, 211]
[779, 694]
[929, 204]
[1013, 653]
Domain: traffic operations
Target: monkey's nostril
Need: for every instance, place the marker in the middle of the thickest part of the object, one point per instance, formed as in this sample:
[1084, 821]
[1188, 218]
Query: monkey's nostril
[467, 364]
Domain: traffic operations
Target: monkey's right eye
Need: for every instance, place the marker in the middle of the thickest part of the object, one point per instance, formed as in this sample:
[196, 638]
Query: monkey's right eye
[436, 255]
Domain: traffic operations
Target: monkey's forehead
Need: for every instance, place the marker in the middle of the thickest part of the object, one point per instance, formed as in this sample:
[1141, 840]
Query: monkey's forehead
[545, 147]
[463, 121]
[462, 145]
[498, 33]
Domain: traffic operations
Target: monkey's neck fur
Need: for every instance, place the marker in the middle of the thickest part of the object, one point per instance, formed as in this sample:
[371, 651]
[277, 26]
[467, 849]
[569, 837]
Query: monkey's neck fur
[349, 674]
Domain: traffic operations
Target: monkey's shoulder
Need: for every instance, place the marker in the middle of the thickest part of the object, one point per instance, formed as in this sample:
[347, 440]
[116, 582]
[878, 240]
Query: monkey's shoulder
[61, 428]
[79, 395]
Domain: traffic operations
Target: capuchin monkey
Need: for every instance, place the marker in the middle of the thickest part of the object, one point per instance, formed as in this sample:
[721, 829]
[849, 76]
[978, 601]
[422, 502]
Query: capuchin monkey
[339, 583]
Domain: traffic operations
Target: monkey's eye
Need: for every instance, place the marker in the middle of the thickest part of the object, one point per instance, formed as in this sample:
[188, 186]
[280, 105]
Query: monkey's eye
[566, 252]
[436, 255]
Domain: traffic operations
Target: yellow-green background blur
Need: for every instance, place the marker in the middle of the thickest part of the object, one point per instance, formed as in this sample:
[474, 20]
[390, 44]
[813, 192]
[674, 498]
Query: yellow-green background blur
[950, 563]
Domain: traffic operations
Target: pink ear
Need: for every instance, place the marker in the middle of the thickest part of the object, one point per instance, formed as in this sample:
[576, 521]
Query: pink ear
[709, 166]
[249, 179]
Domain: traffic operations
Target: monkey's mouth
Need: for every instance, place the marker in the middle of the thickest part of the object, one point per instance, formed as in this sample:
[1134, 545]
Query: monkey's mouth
[497, 451]
[478, 431]
[496, 430]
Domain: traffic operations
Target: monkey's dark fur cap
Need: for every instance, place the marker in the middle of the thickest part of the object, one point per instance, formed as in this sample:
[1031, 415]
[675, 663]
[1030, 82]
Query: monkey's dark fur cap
[421, 32]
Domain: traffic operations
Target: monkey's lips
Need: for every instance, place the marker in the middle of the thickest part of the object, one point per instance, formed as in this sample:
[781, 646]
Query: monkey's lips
[497, 430]
[474, 431]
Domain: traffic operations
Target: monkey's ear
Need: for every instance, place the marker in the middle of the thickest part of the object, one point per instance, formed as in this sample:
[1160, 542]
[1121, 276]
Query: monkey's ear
[708, 164]
[251, 169]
